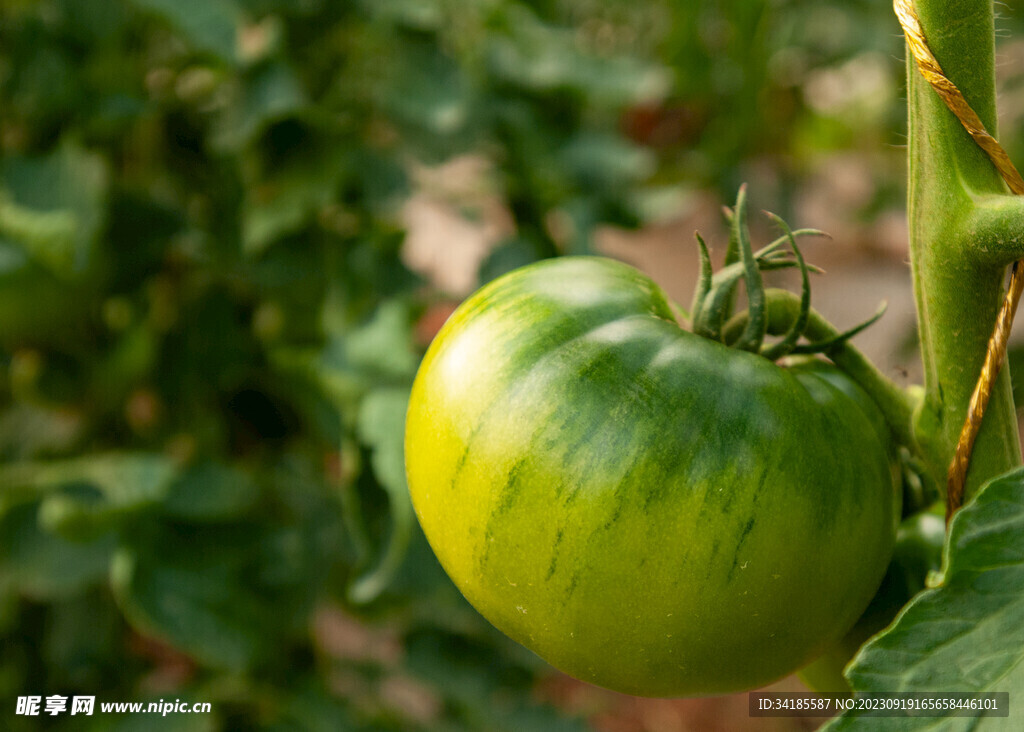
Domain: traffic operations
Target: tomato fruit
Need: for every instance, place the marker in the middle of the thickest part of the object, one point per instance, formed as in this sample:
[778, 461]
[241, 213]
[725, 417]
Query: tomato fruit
[646, 509]
[918, 551]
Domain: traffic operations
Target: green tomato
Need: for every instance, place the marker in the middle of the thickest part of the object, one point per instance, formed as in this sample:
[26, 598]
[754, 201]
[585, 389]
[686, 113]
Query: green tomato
[842, 382]
[645, 509]
[918, 551]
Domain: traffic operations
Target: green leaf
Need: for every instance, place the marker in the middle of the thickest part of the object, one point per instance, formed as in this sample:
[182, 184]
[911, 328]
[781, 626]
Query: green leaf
[28, 430]
[967, 634]
[211, 492]
[354, 360]
[605, 160]
[541, 57]
[83, 633]
[199, 609]
[418, 14]
[77, 513]
[229, 593]
[44, 566]
[381, 425]
[53, 207]
[48, 236]
[127, 363]
[126, 480]
[426, 89]
[384, 345]
[463, 670]
[285, 201]
[312, 709]
[207, 25]
[270, 92]
[510, 255]
[85, 497]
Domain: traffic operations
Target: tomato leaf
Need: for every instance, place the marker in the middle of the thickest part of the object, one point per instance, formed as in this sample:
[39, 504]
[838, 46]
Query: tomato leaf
[607, 160]
[52, 207]
[82, 499]
[27, 430]
[206, 25]
[224, 594]
[193, 609]
[382, 426]
[382, 346]
[211, 491]
[510, 255]
[71, 647]
[462, 670]
[427, 91]
[542, 58]
[43, 566]
[125, 480]
[269, 92]
[416, 14]
[966, 635]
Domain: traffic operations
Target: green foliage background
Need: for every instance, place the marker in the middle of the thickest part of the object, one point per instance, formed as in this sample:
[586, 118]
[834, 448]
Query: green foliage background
[207, 332]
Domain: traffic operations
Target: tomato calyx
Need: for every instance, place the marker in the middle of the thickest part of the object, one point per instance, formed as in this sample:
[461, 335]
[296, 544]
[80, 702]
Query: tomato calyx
[769, 312]
[799, 330]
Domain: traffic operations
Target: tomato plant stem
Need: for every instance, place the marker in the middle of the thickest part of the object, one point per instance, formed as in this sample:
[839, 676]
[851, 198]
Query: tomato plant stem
[955, 194]
[895, 403]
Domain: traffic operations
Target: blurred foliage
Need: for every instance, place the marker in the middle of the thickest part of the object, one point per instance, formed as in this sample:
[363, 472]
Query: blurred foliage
[206, 342]
[208, 333]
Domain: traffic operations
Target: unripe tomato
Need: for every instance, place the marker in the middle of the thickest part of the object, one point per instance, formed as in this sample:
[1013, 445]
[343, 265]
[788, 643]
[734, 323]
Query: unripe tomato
[918, 551]
[645, 509]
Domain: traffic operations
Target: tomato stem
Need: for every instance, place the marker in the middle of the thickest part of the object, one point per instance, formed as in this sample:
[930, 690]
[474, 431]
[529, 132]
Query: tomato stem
[789, 340]
[960, 224]
[703, 287]
[754, 332]
[715, 294]
[784, 308]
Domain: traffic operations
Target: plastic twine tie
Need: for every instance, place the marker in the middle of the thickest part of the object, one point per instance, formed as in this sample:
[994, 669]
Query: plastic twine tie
[930, 69]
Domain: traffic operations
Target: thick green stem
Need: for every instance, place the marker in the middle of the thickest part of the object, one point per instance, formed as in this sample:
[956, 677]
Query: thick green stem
[957, 284]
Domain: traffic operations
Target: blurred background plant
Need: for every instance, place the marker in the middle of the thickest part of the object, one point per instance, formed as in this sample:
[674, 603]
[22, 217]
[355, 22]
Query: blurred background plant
[229, 228]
